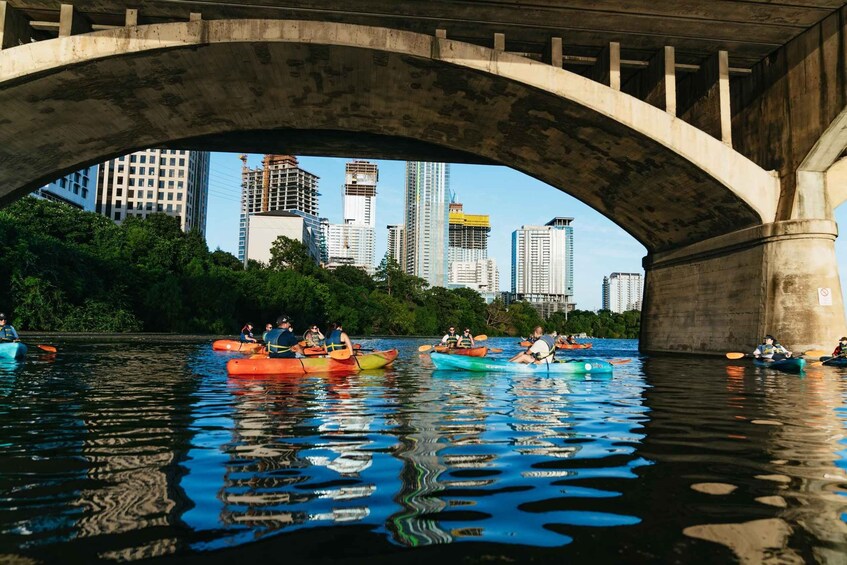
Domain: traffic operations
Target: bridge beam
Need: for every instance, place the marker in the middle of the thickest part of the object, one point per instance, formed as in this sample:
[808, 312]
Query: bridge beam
[14, 27]
[656, 84]
[704, 100]
[725, 293]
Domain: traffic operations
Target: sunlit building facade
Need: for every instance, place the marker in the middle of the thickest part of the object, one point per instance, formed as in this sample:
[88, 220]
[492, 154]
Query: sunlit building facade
[542, 265]
[427, 226]
[623, 292]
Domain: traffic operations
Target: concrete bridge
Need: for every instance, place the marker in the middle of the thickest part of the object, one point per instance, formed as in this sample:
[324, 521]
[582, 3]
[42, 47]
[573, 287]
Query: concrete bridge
[714, 133]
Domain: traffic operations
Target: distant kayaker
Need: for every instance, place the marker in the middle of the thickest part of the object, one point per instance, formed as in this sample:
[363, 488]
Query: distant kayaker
[542, 350]
[281, 342]
[338, 339]
[571, 340]
[247, 333]
[771, 349]
[7, 331]
[313, 337]
[841, 348]
[465, 340]
[268, 327]
[450, 339]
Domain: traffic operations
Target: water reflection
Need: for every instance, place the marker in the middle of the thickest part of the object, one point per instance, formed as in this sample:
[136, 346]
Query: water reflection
[122, 454]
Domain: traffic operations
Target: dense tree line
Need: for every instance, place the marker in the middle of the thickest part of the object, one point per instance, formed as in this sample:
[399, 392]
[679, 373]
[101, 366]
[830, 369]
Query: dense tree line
[68, 270]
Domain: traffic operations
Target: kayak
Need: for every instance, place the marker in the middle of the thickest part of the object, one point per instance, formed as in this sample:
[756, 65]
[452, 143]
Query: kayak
[573, 345]
[834, 361]
[12, 350]
[567, 367]
[469, 351]
[235, 345]
[789, 365]
[309, 365]
[525, 343]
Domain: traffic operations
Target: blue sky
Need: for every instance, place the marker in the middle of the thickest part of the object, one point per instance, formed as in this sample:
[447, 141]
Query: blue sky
[511, 198]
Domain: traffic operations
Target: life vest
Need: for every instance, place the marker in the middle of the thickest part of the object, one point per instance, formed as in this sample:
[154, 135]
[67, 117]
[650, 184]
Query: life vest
[312, 339]
[7, 332]
[274, 348]
[452, 339]
[333, 342]
[464, 341]
[551, 348]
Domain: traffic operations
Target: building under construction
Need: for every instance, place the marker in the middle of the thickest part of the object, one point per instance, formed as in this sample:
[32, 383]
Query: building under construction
[279, 184]
[468, 235]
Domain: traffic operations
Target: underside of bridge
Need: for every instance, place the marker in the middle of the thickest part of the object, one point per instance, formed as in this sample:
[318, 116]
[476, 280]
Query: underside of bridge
[735, 249]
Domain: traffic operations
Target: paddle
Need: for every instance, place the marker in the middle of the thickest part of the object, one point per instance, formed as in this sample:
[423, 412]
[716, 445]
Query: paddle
[423, 348]
[495, 350]
[48, 348]
[810, 353]
[482, 337]
[619, 361]
[340, 354]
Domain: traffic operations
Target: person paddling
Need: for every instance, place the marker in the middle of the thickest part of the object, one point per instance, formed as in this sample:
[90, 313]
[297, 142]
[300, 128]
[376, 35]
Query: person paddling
[7, 331]
[450, 339]
[268, 328]
[771, 349]
[338, 339]
[465, 340]
[841, 348]
[281, 342]
[543, 349]
[313, 337]
[247, 333]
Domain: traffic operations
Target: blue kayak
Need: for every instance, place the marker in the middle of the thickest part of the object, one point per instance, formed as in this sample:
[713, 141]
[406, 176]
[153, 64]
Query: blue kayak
[12, 350]
[789, 365]
[834, 361]
[576, 366]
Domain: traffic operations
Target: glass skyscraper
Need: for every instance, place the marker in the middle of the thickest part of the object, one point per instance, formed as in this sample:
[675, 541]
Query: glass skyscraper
[427, 221]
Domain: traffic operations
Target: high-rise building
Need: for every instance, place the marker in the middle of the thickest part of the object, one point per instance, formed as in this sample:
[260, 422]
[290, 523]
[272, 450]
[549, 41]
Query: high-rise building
[78, 189]
[165, 181]
[468, 234]
[279, 184]
[623, 292]
[542, 265]
[396, 233]
[354, 241]
[427, 198]
[480, 275]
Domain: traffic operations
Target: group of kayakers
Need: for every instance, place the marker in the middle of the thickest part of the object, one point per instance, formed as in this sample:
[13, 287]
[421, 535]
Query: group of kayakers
[282, 342]
[453, 340]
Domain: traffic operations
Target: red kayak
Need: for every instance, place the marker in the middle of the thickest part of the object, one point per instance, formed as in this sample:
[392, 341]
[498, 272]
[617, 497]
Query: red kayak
[309, 365]
[469, 351]
[573, 346]
[236, 346]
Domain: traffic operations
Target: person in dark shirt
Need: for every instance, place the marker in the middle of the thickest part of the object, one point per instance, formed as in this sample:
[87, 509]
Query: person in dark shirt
[281, 342]
[247, 333]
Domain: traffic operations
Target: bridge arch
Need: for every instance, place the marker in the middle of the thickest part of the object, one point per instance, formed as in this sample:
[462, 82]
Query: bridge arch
[318, 87]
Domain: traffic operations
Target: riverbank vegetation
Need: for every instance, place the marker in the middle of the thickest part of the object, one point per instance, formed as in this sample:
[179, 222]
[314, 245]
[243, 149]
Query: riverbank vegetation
[67, 270]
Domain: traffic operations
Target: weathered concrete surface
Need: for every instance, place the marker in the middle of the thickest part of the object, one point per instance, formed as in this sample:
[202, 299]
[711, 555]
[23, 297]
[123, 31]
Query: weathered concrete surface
[725, 294]
[81, 99]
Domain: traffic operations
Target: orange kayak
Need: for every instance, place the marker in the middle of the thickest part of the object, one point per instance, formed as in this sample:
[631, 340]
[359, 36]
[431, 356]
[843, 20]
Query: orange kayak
[236, 346]
[525, 343]
[469, 351]
[573, 346]
[309, 365]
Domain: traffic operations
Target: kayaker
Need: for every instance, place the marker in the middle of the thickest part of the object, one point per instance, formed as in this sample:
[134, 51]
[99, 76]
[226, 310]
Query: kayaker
[450, 339]
[338, 339]
[281, 342]
[7, 331]
[313, 337]
[571, 340]
[466, 339]
[841, 348]
[771, 349]
[268, 327]
[247, 333]
[542, 350]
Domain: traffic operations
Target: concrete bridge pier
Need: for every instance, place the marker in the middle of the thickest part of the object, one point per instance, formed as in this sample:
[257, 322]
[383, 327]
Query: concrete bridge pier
[712, 296]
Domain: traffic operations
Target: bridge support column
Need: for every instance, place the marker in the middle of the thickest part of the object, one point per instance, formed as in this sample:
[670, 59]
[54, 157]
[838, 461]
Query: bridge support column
[724, 294]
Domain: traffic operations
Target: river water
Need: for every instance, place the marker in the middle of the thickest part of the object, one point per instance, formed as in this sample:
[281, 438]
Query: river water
[125, 451]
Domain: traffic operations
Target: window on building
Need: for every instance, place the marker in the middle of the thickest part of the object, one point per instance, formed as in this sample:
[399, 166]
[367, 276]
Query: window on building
[170, 208]
[151, 170]
[179, 184]
[158, 207]
[130, 194]
[179, 196]
[179, 208]
[85, 193]
[118, 216]
[76, 189]
[84, 181]
[132, 158]
[120, 192]
[63, 183]
[130, 205]
[149, 206]
[131, 181]
[170, 196]
[173, 162]
[142, 158]
[121, 168]
[160, 196]
[170, 184]
[132, 170]
[161, 184]
[182, 162]
[118, 204]
[152, 159]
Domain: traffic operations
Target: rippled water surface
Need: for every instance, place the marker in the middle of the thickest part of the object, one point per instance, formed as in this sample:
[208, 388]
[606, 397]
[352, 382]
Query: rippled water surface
[128, 451]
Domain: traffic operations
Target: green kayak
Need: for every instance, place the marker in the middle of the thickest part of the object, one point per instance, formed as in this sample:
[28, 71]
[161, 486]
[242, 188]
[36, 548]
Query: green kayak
[578, 366]
[789, 365]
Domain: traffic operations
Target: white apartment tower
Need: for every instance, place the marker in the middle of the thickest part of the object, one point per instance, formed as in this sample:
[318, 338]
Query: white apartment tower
[622, 292]
[278, 185]
[427, 235]
[354, 241]
[77, 189]
[164, 181]
[542, 265]
[396, 233]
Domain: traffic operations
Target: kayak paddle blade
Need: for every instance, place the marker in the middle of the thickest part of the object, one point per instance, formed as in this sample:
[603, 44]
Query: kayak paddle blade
[735, 355]
[423, 348]
[340, 354]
